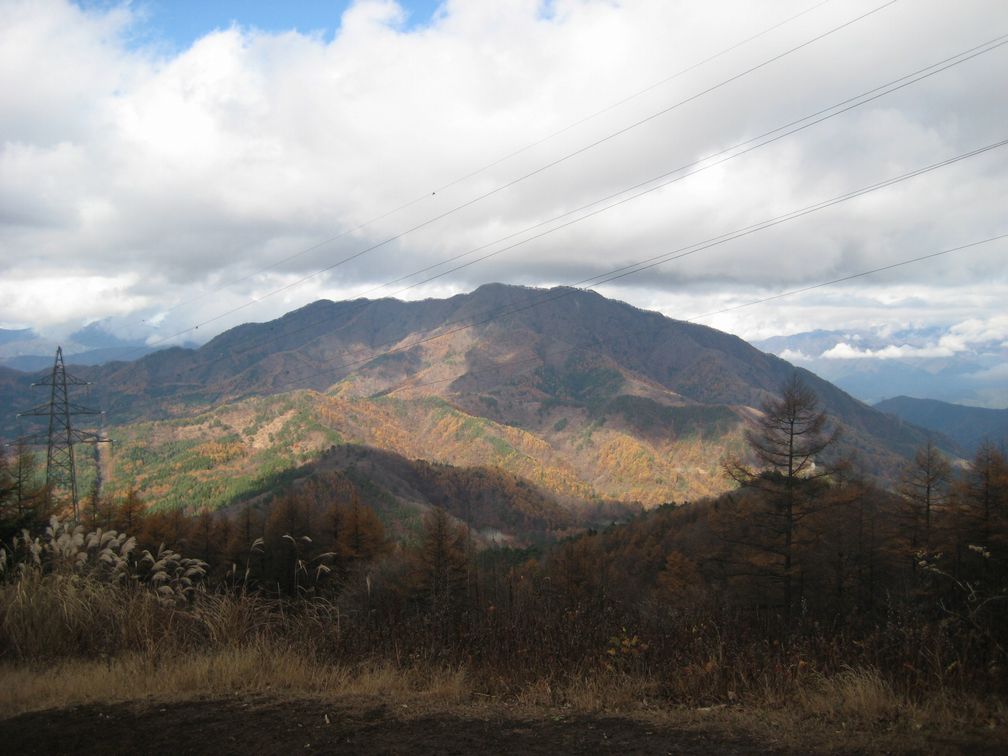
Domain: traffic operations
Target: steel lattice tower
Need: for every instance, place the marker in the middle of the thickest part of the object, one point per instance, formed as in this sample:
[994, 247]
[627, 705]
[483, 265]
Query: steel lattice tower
[61, 470]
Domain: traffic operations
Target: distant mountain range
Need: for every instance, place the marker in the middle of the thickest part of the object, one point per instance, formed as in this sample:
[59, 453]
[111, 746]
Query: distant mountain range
[949, 364]
[585, 398]
[23, 349]
[967, 426]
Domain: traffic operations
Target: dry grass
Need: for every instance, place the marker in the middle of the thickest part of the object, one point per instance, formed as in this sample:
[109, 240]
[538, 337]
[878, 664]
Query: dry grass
[862, 698]
[859, 695]
[75, 632]
[258, 668]
[42, 616]
[853, 711]
[601, 691]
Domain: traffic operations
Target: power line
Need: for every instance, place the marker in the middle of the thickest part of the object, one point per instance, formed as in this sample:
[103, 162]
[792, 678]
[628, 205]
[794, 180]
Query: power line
[672, 255]
[634, 96]
[526, 176]
[700, 165]
[703, 164]
[851, 277]
[570, 348]
[506, 157]
[686, 251]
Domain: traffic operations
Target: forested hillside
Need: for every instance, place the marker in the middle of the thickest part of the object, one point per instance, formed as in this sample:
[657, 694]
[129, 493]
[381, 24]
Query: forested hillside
[585, 398]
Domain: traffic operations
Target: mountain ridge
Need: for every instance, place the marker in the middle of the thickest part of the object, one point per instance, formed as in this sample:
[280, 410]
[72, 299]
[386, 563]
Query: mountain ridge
[967, 426]
[630, 403]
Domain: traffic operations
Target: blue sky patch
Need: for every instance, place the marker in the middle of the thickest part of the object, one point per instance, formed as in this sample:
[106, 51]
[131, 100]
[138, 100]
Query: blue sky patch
[179, 23]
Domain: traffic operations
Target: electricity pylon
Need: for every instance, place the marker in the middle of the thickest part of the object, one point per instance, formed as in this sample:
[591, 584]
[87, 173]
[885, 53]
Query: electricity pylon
[61, 471]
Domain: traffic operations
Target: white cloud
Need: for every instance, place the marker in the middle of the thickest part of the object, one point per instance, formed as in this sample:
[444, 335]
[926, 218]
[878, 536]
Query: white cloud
[844, 351]
[972, 335]
[795, 355]
[142, 181]
[977, 331]
[67, 296]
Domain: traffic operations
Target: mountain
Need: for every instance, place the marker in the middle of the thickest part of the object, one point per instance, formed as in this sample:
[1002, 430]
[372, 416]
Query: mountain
[96, 336]
[34, 363]
[15, 343]
[26, 351]
[584, 397]
[961, 363]
[242, 448]
[498, 506]
[967, 426]
[9, 336]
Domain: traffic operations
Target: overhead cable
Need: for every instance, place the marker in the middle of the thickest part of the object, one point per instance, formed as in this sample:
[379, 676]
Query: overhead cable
[509, 184]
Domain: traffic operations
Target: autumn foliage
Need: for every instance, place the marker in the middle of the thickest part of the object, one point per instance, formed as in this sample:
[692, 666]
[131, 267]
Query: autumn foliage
[804, 569]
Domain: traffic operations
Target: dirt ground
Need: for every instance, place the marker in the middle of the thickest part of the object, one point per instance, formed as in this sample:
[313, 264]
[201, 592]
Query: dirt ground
[264, 726]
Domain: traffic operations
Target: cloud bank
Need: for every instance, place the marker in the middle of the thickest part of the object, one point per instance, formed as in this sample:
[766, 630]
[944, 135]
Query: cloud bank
[980, 336]
[160, 190]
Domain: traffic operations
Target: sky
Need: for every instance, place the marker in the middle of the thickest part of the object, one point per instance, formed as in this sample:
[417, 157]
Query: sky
[177, 24]
[168, 165]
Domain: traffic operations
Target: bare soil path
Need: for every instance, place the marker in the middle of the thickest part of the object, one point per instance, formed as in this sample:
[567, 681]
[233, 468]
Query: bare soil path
[271, 726]
[266, 725]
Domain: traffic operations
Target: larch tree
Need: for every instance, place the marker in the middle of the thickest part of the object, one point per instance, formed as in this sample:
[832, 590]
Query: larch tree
[9, 514]
[786, 440]
[360, 535]
[923, 487]
[31, 490]
[987, 482]
[441, 557]
[131, 510]
[981, 519]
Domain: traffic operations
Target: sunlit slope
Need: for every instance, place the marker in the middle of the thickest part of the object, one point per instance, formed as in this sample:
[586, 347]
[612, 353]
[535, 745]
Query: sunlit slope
[578, 455]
